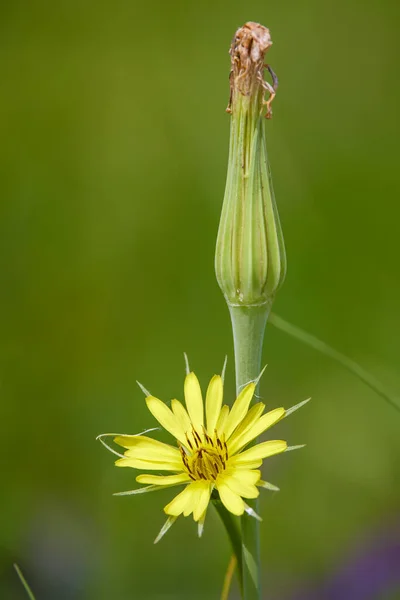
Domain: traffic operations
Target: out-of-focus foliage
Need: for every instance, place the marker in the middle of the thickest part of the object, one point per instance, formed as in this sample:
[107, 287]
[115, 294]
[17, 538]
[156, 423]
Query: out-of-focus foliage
[112, 171]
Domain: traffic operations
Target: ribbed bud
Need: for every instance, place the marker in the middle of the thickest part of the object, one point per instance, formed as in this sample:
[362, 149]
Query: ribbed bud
[250, 259]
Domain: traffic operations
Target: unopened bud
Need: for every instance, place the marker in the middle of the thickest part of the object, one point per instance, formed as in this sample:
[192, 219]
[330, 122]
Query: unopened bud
[250, 259]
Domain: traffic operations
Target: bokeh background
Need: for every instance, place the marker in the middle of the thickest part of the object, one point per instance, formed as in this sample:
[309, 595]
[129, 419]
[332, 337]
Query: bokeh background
[112, 171]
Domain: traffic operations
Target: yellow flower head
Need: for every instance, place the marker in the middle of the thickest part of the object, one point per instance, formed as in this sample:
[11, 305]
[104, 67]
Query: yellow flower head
[210, 453]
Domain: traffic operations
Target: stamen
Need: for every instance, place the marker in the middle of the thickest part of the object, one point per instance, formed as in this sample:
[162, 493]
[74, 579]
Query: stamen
[226, 451]
[215, 470]
[208, 458]
[207, 437]
[196, 435]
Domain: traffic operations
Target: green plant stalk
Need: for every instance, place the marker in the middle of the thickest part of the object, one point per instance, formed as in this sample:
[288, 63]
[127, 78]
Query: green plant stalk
[250, 260]
[231, 526]
[248, 324]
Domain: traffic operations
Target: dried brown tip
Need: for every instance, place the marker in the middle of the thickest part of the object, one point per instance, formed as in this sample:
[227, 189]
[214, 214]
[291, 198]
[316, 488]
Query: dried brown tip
[247, 51]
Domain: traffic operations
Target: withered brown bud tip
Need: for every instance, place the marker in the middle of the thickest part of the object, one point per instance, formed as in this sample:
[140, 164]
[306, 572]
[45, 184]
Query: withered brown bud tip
[247, 51]
[251, 40]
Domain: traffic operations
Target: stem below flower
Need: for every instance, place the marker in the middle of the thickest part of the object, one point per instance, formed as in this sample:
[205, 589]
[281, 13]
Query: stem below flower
[230, 522]
[248, 324]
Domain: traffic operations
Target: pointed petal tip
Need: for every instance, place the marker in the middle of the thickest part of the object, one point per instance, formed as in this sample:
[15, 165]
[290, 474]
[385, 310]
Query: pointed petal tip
[187, 367]
[260, 375]
[224, 368]
[144, 390]
[168, 523]
[268, 486]
[141, 490]
[292, 409]
[290, 448]
[252, 513]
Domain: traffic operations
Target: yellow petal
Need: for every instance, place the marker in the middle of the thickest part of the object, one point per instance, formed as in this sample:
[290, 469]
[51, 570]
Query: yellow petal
[201, 498]
[150, 465]
[146, 448]
[181, 414]
[251, 464]
[182, 503]
[252, 416]
[239, 409]
[166, 418]
[214, 402]
[264, 423]
[223, 416]
[194, 500]
[259, 452]
[126, 441]
[242, 485]
[194, 401]
[163, 479]
[151, 454]
[232, 502]
[245, 475]
[189, 505]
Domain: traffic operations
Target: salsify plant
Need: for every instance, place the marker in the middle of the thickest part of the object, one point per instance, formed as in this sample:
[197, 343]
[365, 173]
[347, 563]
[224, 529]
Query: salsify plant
[250, 258]
[216, 456]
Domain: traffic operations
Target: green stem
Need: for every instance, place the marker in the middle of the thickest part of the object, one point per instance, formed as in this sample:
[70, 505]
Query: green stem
[233, 531]
[248, 325]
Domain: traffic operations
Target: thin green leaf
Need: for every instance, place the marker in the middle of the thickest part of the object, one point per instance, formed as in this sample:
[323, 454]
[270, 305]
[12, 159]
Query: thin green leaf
[343, 360]
[24, 583]
[251, 565]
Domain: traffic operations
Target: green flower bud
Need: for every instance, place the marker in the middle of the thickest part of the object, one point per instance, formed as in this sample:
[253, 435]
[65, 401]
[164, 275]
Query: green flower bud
[250, 259]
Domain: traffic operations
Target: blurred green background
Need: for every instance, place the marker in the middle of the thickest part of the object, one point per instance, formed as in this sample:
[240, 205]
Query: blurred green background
[112, 171]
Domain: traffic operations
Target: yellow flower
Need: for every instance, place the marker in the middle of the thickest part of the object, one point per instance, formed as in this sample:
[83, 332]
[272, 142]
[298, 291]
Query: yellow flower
[210, 453]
